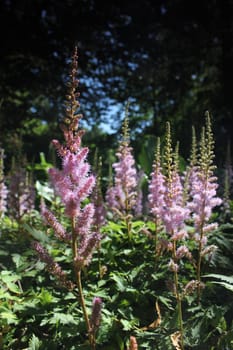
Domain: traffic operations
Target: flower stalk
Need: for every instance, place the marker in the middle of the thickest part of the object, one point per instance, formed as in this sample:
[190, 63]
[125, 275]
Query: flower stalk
[73, 183]
[122, 198]
[203, 189]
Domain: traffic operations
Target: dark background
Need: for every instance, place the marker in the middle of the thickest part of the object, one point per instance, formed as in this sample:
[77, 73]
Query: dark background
[171, 59]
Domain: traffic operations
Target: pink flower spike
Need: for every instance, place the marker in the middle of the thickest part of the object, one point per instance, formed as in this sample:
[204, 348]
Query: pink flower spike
[96, 314]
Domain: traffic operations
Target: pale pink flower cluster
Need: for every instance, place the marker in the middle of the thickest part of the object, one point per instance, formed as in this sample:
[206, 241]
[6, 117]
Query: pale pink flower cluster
[96, 314]
[73, 183]
[157, 188]
[176, 200]
[21, 197]
[167, 207]
[123, 196]
[52, 221]
[166, 197]
[100, 215]
[204, 199]
[166, 201]
[203, 192]
[174, 212]
[53, 266]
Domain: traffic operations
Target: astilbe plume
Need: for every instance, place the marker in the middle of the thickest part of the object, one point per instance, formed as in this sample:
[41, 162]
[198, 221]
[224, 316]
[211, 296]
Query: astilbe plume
[53, 266]
[174, 215]
[96, 314]
[121, 198]
[3, 187]
[174, 212]
[21, 193]
[156, 189]
[203, 191]
[166, 198]
[167, 207]
[74, 184]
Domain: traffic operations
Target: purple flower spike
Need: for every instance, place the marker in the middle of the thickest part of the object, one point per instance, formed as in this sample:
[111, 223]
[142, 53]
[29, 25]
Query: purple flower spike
[123, 197]
[96, 314]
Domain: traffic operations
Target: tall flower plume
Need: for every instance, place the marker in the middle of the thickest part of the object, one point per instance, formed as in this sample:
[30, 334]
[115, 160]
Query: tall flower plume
[203, 191]
[122, 196]
[166, 192]
[21, 193]
[157, 187]
[74, 184]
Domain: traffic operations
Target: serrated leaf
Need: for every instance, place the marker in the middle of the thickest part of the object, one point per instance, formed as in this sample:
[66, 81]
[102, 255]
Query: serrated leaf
[34, 343]
[8, 276]
[225, 281]
[127, 326]
[62, 318]
[9, 279]
[18, 259]
[228, 279]
[46, 297]
[166, 302]
[120, 282]
[9, 317]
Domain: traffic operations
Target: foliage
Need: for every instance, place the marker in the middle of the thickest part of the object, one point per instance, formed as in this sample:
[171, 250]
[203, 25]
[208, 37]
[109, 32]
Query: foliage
[37, 313]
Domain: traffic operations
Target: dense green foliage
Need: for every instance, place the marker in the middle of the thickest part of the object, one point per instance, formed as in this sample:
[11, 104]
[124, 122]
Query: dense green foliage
[37, 313]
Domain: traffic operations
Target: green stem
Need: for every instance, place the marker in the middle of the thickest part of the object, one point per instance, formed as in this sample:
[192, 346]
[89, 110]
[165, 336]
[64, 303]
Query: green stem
[199, 261]
[178, 300]
[200, 245]
[128, 226]
[91, 336]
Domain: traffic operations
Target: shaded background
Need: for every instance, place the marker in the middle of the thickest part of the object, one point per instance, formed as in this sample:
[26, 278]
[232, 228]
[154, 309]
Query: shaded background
[171, 59]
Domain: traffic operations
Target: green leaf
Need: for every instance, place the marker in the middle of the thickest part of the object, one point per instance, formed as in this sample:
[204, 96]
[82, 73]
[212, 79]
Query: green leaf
[44, 191]
[9, 317]
[13, 287]
[166, 301]
[62, 318]
[127, 325]
[9, 279]
[19, 260]
[120, 282]
[225, 281]
[46, 297]
[228, 279]
[34, 343]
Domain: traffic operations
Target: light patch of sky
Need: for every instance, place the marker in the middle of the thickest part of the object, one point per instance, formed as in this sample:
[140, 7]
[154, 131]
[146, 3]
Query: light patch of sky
[113, 123]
